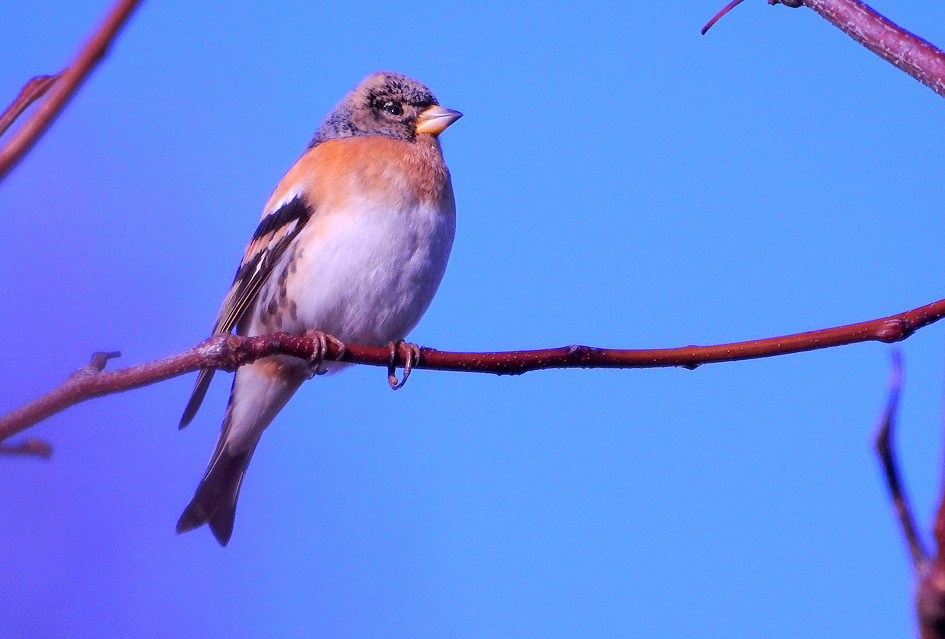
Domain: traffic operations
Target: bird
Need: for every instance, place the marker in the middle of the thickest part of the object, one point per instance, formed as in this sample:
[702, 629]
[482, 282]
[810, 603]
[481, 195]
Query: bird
[353, 242]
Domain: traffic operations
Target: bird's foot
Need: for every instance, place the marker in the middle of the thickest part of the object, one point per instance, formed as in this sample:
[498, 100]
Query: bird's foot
[322, 339]
[412, 357]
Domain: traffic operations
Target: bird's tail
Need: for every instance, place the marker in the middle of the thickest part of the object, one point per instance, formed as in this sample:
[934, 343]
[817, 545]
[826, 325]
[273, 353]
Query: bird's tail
[259, 392]
[214, 503]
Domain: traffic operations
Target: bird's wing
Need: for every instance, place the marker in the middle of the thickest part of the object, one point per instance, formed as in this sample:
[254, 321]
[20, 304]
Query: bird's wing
[275, 233]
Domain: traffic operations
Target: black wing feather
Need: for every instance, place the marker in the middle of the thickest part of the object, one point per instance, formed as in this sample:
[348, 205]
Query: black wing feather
[273, 236]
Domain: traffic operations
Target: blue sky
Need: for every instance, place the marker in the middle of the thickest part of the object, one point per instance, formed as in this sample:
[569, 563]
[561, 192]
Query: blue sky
[620, 181]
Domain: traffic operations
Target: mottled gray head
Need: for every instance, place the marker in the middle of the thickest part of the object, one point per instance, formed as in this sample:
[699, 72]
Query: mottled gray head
[386, 103]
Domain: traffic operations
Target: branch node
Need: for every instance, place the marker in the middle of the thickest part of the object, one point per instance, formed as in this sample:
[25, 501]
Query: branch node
[212, 347]
[31, 92]
[95, 366]
[895, 330]
[234, 350]
[100, 359]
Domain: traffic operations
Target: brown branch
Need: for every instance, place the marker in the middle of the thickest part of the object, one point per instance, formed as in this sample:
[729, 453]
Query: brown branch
[63, 87]
[228, 352]
[929, 571]
[910, 53]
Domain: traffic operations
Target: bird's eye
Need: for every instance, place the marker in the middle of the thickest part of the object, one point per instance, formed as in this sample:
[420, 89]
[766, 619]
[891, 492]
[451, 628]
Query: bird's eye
[393, 108]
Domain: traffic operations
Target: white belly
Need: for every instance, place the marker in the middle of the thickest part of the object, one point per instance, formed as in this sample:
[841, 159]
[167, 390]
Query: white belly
[365, 277]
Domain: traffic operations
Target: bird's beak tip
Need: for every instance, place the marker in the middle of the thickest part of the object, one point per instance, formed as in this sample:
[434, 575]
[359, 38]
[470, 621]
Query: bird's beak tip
[435, 119]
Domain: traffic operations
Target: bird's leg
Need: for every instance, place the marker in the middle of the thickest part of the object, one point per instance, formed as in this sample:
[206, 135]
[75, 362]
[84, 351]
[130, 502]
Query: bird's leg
[321, 339]
[412, 357]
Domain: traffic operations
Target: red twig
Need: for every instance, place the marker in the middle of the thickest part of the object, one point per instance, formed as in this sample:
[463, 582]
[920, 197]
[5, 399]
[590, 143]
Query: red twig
[886, 450]
[929, 570]
[910, 53]
[718, 16]
[230, 351]
[64, 87]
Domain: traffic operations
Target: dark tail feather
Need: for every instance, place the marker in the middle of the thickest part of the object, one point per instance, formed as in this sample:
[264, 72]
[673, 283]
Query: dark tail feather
[214, 502]
[196, 397]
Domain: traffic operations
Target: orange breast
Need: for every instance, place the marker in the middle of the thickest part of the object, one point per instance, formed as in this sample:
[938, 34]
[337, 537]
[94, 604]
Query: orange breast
[374, 167]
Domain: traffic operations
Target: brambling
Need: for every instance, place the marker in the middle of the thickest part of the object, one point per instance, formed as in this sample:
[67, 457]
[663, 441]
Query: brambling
[353, 242]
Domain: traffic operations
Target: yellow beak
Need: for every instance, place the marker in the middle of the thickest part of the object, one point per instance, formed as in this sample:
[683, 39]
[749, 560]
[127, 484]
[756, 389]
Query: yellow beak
[435, 119]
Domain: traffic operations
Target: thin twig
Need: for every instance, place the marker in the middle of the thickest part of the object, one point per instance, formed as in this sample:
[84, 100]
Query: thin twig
[33, 91]
[228, 352]
[65, 87]
[718, 16]
[29, 448]
[886, 450]
[907, 51]
[929, 569]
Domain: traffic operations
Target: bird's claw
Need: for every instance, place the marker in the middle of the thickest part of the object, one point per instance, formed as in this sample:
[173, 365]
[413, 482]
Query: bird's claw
[322, 339]
[412, 357]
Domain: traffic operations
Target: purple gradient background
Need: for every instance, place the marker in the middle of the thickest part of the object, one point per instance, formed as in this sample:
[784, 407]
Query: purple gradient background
[620, 181]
